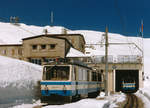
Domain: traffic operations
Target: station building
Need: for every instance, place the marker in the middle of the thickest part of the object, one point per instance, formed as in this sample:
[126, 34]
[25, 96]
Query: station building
[44, 48]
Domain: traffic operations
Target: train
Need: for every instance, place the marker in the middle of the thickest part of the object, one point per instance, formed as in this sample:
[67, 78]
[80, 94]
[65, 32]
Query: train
[68, 81]
[129, 85]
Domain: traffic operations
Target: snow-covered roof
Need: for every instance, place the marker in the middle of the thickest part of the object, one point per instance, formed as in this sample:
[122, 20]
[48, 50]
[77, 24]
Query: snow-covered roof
[74, 53]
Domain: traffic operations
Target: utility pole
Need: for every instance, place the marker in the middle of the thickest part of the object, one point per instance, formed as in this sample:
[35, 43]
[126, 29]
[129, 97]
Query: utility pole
[106, 61]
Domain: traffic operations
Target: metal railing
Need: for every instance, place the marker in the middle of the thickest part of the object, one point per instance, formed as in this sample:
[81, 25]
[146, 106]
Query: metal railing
[129, 59]
[118, 59]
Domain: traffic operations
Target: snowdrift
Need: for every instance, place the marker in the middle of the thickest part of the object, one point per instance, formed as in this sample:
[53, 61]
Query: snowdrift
[18, 81]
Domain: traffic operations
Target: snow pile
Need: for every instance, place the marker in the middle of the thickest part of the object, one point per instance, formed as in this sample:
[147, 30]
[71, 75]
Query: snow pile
[18, 73]
[144, 92]
[107, 102]
[84, 103]
[18, 81]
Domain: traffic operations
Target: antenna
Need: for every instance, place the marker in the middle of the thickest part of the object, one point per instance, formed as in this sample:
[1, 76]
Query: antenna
[142, 27]
[52, 16]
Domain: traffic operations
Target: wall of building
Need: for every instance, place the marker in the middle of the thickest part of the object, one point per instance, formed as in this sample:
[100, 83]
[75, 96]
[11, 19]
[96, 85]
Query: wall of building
[76, 40]
[44, 47]
[14, 51]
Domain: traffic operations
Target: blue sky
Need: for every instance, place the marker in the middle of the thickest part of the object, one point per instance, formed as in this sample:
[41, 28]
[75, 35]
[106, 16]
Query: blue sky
[121, 16]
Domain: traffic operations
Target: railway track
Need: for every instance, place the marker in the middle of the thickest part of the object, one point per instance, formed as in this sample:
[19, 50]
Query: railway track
[132, 101]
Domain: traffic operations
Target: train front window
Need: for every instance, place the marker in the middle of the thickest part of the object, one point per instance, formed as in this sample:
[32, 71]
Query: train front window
[56, 73]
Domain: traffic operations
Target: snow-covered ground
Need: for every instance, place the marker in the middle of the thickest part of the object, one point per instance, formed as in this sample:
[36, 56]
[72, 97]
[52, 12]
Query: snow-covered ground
[18, 79]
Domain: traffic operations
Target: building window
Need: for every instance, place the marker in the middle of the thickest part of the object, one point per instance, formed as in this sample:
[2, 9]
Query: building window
[43, 46]
[36, 61]
[49, 60]
[52, 46]
[34, 47]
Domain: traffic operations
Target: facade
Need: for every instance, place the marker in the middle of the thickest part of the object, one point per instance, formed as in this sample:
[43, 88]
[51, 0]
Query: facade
[43, 48]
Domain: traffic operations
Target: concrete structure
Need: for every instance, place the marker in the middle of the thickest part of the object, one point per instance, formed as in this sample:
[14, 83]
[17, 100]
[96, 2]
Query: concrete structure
[117, 70]
[112, 87]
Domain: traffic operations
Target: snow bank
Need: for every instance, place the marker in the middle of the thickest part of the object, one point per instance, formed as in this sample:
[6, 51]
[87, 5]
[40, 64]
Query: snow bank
[84, 103]
[18, 73]
[18, 81]
[100, 102]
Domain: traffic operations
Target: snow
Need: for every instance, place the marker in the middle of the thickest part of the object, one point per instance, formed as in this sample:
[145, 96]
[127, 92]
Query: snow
[74, 53]
[18, 81]
[84, 103]
[13, 34]
[145, 100]
[13, 70]
[95, 37]
[100, 102]
[19, 78]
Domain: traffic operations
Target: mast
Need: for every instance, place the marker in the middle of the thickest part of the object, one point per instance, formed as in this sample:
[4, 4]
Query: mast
[106, 62]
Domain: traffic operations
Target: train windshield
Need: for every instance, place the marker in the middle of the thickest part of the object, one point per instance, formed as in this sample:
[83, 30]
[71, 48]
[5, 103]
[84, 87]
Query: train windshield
[56, 73]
